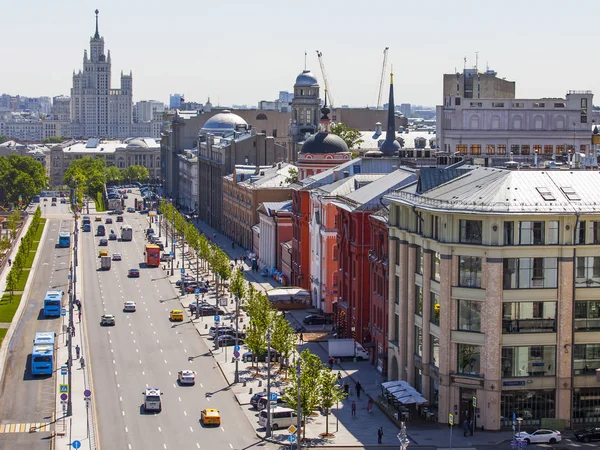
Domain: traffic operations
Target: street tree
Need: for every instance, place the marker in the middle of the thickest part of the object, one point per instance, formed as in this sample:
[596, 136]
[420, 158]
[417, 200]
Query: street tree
[87, 174]
[11, 283]
[54, 139]
[283, 339]
[21, 176]
[351, 136]
[237, 286]
[330, 392]
[136, 173]
[260, 315]
[113, 174]
[310, 369]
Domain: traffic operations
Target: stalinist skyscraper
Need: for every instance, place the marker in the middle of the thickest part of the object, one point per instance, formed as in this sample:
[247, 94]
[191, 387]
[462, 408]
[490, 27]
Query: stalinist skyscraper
[97, 110]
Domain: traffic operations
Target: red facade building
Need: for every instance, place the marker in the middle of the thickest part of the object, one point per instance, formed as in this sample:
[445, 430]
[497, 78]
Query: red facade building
[300, 238]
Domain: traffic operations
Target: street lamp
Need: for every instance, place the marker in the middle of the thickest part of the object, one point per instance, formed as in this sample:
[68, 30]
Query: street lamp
[268, 428]
[237, 315]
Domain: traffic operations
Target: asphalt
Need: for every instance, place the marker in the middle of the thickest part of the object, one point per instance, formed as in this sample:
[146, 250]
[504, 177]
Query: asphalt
[27, 406]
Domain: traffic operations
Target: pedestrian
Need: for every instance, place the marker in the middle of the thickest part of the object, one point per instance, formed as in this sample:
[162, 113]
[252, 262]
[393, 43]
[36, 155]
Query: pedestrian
[370, 405]
[353, 408]
[346, 388]
[235, 260]
[77, 349]
[358, 389]
[331, 360]
[465, 427]
[79, 314]
[379, 435]
[9, 262]
[82, 362]
[72, 331]
[301, 338]
[471, 426]
[339, 380]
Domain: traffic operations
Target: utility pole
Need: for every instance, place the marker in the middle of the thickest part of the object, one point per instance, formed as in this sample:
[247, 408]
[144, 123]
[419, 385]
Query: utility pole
[173, 246]
[299, 435]
[182, 250]
[268, 428]
[237, 315]
[71, 327]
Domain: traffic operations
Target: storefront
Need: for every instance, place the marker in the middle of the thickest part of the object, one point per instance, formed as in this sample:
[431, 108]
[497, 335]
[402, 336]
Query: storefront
[531, 405]
[586, 406]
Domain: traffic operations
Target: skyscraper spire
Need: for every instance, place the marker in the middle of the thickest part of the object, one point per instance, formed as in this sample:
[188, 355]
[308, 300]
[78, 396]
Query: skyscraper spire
[390, 145]
[97, 35]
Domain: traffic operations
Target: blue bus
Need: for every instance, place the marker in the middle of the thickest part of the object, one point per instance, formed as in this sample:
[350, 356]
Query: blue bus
[64, 239]
[52, 303]
[44, 338]
[42, 360]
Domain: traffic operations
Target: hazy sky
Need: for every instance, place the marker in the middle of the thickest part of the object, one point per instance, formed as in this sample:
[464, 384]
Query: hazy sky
[240, 51]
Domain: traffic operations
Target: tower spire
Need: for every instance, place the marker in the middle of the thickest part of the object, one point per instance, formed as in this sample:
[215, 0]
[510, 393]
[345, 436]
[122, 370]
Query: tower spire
[390, 145]
[97, 35]
[325, 121]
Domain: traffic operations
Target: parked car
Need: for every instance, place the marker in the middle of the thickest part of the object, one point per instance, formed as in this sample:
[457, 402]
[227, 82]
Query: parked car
[210, 311]
[193, 306]
[588, 434]
[166, 257]
[248, 356]
[228, 341]
[185, 279]
[316, 319]
[542, 436]
[263, 402]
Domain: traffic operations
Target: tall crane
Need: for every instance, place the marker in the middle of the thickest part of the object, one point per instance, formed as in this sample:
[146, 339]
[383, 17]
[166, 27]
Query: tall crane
[383, 69]
[324, 73]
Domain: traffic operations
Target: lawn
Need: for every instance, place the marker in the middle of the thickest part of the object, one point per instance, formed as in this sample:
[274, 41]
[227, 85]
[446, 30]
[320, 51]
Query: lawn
[2, 334]
[8, 308]
[38, 235]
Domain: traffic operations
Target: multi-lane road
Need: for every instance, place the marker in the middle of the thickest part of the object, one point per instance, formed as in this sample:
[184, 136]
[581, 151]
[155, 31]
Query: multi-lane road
[25, 400]
[144, 349]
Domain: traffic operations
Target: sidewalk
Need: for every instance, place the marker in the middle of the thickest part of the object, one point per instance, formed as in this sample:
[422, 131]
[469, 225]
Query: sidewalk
[349, 432]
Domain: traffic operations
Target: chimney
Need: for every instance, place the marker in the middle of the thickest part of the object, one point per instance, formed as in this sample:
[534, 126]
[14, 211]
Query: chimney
[378, 128]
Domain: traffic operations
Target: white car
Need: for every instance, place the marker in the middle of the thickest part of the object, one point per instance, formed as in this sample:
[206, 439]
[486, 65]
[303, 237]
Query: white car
[129, 306]
[116, 257]
[542, 436]
[186, 377]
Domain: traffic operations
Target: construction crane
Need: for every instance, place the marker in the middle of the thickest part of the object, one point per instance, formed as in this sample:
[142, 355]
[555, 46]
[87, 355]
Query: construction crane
[324, 73]
[383, 69]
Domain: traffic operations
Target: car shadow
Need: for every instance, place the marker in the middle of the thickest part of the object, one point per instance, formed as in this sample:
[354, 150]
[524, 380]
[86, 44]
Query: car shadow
[41, 316]
[28, 376]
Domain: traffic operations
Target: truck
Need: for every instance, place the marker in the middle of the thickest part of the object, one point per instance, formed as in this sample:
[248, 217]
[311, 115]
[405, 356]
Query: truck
[347, 348]
[126, 233]
[152, 253]
[105, 262]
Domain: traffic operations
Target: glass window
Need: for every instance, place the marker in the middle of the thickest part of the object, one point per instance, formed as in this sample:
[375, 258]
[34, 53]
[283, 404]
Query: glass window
[586, 359]
[434, 308]
[595, 232]
[534, 361]
[531, 233]
[490, 149]
[435, 266]
[553, 232]
[587, 315]
[509, 233]
[469, 315]
[434, 350]
[515, 149]
[587, 271]
[580, 232]
[396, 328]
[418, 300]
[420, 262]
[470, 231]
[529, 317]
[502, 149]
[397, 290]
[418, 341]
[475, 149]
[548, 150]
[525, 149]
[469, 359]
[469, 272]
[530, 273]
[586, 406]
[532, 406]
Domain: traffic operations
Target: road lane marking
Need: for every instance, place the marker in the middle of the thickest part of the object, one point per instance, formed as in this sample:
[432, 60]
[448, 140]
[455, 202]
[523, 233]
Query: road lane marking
[197, 445]
[123, 412]
[184, 413]
[143, 374]
[127, 431]
[191, 429]
[231, 446]
[165, 361]
[159, 429]
[179, 398]
[140, 361]
[120, 399]
[136, 350]
[201, 385]
[114, 362]
[223, 429]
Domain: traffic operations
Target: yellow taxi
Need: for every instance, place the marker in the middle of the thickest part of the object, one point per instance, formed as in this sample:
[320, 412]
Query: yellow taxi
[98, 219]
[102, 253]
[210, 416]
[176, 315]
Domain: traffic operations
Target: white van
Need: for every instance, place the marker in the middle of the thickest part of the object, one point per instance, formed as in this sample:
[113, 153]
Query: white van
[280, 418]
[152, 401]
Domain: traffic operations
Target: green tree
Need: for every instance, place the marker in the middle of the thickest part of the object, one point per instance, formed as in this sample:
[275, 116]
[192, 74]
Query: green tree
[330, 392]
[292, 175]
[260, 315]
[87, 174]
[283, 339]
[3, 138]
[21, 175]
[11, 283]
[54, 139]
[136, 173]
[310, 369]
[237, 287]
[113, 174]
[351, 136]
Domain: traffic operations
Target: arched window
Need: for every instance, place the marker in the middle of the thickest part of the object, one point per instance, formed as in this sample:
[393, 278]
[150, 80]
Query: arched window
[261, 116]
[517, 122]
[538, 122]
[559, 123]
[474, 122]
[495, 122]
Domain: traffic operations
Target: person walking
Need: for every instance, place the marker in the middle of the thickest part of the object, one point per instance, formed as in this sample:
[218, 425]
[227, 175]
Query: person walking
[465, 427]
[82, 362]
[379, 435]
[339, 380]
[370, 405]
[331, 361]
[346, 388]
[9, 262]
[471, 426]
[354, 409]
[301, 337]
[358, 389]
[79, 314]
[77, 350]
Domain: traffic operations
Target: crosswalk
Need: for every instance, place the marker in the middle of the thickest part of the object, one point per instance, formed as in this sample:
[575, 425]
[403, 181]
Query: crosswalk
[33, 427]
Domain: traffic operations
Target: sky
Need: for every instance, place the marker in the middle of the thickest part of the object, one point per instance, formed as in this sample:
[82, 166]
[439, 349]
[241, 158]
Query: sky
[241, 52]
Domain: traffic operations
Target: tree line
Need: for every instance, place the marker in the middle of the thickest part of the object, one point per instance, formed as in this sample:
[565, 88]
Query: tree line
[20, 176]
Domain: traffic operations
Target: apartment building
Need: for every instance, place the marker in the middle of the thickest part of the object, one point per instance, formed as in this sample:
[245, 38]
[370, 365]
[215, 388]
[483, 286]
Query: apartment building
[494, 290]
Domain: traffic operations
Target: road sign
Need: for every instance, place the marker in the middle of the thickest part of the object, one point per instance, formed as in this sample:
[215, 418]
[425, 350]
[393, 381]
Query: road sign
[273, 397]
[292, 429]
[76, 444]
[64, 389]
[63, 370]
[64, 397]
[196, 290]
[182, 271]
[87, 393]
[174, 241]
[474, 402]
[217, 319]
[236, 354]
[63, 312]
[292, 438]
[450, 419]
[237, 348]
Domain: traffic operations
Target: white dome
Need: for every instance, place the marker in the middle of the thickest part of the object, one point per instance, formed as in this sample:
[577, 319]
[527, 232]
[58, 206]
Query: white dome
[223, 122]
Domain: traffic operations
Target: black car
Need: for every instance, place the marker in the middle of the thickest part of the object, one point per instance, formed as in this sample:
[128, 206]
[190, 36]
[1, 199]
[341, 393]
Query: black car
[230, 332]
[316, 319]
[588, 434]
[247, 357]
[210, 311]
[228, 341]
